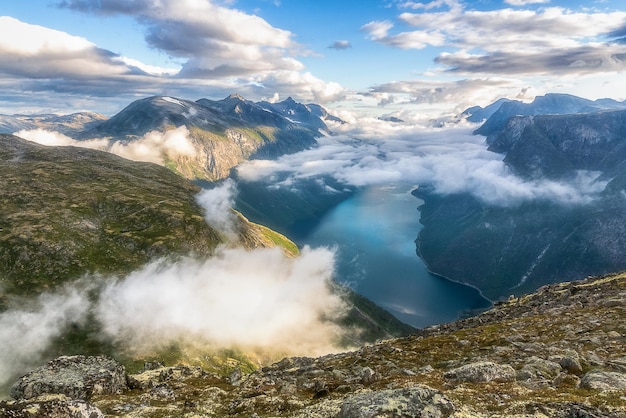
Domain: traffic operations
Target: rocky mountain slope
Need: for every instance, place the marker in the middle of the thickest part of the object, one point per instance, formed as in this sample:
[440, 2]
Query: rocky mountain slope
[223, 133]
[558, 352]
[517, 247]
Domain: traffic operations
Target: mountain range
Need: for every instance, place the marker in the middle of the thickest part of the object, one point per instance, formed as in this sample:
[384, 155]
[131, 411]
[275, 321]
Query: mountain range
[516, 248]
[222, 133]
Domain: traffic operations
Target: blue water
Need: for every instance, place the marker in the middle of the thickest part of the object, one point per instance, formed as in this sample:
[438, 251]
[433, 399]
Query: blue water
[374, 234]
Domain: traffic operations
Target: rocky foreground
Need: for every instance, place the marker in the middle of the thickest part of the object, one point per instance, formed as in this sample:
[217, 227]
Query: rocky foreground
[559, 352]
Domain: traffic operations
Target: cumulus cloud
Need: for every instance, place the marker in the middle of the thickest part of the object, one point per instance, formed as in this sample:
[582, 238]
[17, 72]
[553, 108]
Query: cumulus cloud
[451, 159]
[254, 300]
[37, 52]
[457, 94]
[218, 42]
[28, 331]
[509, 41]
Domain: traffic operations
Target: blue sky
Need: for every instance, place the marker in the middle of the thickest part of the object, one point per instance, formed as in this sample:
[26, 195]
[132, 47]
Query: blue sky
[435, 57]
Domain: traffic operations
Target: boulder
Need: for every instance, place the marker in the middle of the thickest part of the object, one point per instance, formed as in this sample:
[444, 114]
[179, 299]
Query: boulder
[481, 372]
[78, 377]
[417, 401]
[538, 368]
[603, 381]
[49, 407]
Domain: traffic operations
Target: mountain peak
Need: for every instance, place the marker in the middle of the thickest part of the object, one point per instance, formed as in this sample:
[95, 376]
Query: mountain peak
[236, 96]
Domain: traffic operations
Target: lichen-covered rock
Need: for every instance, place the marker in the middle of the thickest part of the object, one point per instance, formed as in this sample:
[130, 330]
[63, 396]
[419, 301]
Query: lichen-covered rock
[538, 368]
[78, 377]
[603, 381]
[480, 372]
[51, 407]
[417, 401]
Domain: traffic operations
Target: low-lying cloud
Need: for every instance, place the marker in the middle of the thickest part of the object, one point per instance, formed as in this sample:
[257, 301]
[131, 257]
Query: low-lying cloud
[450, 159]
[27, 332]
[154, 147]
[217, 203]
[257, 299]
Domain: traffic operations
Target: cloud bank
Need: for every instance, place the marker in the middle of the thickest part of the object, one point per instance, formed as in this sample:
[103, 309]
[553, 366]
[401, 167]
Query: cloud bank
[523, 42]
[258, 300]
[451, 159]
[216, 48]
[154, 147]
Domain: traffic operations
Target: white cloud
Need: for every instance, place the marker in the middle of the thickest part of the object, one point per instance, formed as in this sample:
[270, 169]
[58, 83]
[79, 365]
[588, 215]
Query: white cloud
[217, 203]
[28, 331]
[155, 147]
[38, 52]
[451, 159]
[510, 41]
[52, 138]
[525, 2]
[258, 300]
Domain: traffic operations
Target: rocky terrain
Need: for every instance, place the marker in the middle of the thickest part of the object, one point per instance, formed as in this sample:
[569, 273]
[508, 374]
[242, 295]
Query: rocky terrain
[558, 352]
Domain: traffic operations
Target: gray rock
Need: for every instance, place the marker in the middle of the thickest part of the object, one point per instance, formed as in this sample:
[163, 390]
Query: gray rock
[78, 377]
[537, 367]
[571, 365]
[483, 371]
[603, 381]
[417, 401]
[56, 407]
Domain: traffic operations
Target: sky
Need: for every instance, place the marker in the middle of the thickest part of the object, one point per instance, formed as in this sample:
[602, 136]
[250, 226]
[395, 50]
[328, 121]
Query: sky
[376, 57]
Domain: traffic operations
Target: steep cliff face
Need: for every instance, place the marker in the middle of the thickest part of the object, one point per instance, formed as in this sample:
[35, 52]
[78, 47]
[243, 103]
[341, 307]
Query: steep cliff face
[554, 146]
[498, 114]
[514, 248]
[558, 352]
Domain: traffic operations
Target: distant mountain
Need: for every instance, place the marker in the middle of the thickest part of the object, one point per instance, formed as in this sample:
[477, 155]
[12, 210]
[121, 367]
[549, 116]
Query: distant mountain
[550, 104]
[555, 146]
[479, 114]
[224, 132]
[520, 247]
[66, 124]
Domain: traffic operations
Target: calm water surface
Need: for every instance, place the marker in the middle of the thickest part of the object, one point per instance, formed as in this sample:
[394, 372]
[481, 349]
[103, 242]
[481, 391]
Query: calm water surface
[374, 233]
